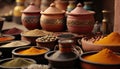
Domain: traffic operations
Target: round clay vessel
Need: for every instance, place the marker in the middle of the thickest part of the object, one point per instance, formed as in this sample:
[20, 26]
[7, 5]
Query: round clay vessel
[80, 20]
[53, 19]
[30, 17]
[62, 4]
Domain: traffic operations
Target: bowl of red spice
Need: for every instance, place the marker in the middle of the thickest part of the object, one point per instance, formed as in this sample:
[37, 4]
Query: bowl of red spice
[14, 32]
[33, 52]
[6, 38]
[103, 59]
[99, 42]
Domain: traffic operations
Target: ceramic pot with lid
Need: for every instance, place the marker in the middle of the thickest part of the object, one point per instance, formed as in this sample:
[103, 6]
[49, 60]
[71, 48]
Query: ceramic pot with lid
[31, 17]
[64, 57]
[80, 20]
[62, 4]
[53, 19]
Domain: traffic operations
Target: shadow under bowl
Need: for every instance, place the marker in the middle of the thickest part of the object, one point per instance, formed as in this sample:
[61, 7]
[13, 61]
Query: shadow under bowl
[9, 59]
[85, 64]
[90, 46]
[38, 57]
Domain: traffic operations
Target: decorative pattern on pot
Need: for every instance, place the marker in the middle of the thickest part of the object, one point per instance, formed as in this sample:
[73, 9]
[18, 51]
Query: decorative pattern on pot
[31, 17]
[53, 19]
[80, 21]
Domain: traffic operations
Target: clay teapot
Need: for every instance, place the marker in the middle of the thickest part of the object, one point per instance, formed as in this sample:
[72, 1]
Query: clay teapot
[53, 19]
[31, 17]
[64, 57]
[80, 21]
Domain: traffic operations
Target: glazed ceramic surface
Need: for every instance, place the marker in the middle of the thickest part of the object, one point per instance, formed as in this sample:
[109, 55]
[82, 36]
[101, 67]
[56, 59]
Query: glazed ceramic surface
[80, 20]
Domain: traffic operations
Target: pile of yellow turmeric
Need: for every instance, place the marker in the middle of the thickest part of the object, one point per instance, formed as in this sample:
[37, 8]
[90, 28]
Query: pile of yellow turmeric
[32, 51]
[111, 39]
[105, 56]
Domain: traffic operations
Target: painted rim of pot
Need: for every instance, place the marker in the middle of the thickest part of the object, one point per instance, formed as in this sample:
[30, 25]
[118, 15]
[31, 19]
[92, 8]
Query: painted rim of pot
[27, 43]
[47, 57]
[32, 60]
[22, 48]
[95, 63]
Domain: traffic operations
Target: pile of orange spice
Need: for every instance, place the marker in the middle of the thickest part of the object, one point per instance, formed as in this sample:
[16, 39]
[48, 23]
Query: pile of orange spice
[2, 39]
[105, 56]
[111, 39]
[32, 51]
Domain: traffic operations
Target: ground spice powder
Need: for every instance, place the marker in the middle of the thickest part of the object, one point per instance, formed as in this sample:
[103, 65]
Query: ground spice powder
[105, 56]
[111, 39]
[32, 51]
[17, 62]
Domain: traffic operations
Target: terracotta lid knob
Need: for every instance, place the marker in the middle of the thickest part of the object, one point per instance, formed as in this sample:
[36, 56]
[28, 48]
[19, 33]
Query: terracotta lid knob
[32, 3]
[79, 5]
[52, 5]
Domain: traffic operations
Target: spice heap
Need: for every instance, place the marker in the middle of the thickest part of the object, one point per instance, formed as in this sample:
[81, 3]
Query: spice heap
[32, 51]
[15, 44]
[111, 39]
[17, 62]
[105, 56]
[5, 38]
[13, 31]
[35, 32]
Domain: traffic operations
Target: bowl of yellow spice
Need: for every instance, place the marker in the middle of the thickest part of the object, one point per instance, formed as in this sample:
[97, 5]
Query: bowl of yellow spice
[99, 42]
[33, 52]
[103, 59]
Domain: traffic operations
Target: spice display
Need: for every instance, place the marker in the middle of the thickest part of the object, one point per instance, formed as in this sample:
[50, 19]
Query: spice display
[32, 51]
[35, 32]
[5, 38]
[13, 31]
[113, 38]
[46, 38]
[105, 56]
[37, 66]
[15, 44]
[17, 62]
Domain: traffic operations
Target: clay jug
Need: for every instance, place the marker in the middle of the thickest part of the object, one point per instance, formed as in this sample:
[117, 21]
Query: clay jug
[80, 21]
[62, 4]
[53, 19]
[31, 17]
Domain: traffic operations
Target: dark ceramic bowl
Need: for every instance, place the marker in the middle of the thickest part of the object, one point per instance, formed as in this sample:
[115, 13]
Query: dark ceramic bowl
[14, 32]
[8, 59]
[88, 45]
[7, 51]
[38, 57]
[32, 39]
[6, 40]
[62, 62]
[85, 64]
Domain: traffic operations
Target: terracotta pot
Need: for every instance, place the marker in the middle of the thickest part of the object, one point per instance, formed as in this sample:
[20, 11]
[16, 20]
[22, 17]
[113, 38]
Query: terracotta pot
[62, 4]
[53, 19]
[80, 20]
[30, 17]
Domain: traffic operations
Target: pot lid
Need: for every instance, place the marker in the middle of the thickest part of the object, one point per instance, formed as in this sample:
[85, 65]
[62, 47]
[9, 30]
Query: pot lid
[52, 10]
[79, 10]
[31, 9]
